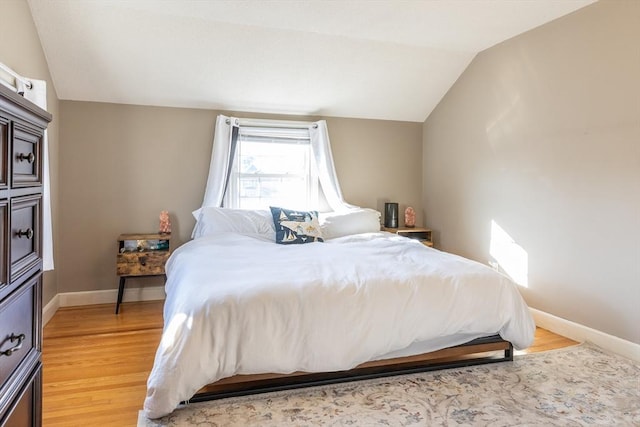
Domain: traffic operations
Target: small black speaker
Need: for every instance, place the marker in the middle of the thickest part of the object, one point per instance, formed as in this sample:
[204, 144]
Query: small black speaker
[391, 215]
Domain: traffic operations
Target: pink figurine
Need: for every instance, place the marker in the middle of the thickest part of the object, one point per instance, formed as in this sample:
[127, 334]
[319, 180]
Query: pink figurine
[165, 223]
[409, 217]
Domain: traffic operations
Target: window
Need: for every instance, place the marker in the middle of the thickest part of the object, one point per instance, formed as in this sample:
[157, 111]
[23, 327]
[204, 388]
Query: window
[272, 167]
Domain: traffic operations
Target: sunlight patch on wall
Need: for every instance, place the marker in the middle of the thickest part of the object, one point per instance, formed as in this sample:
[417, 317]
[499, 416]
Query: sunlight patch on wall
[510, 256]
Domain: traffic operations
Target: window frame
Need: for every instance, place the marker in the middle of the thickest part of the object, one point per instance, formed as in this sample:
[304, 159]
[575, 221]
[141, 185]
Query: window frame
[281, 136]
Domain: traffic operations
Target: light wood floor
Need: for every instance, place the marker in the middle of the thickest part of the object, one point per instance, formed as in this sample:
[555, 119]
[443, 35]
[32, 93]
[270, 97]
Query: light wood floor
[96, 363]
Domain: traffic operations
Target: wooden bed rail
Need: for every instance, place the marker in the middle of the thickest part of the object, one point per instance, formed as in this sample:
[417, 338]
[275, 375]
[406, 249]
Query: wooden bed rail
[479, 351]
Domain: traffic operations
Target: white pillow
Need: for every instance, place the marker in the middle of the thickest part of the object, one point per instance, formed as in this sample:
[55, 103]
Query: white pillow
[241, 221]
[355, 221]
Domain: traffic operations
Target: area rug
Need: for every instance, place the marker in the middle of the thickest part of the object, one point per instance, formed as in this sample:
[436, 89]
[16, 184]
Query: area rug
[574, 386]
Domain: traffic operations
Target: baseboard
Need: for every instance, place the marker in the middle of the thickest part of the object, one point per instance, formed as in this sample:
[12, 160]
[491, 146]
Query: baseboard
[578, 332]
[50, 309]
[148, 293]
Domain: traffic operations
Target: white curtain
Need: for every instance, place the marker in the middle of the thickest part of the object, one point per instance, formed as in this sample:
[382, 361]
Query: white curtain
[38, 95]
[223, 150]
[321, 147]
[220, 162]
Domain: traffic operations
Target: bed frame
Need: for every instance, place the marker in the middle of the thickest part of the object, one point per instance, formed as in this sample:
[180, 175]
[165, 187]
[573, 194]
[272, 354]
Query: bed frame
[484, 350]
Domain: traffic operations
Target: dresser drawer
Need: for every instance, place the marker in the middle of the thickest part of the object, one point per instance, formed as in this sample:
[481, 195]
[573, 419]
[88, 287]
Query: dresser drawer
[25, 234]
[18, 337]
[141, 263]
[26, 409]
[26, 157]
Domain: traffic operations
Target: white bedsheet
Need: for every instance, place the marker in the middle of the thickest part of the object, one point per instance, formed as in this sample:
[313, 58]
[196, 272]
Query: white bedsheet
[241, 305]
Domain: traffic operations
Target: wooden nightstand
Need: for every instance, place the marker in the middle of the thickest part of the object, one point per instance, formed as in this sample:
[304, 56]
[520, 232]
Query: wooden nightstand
[418, 233]
[141, 255]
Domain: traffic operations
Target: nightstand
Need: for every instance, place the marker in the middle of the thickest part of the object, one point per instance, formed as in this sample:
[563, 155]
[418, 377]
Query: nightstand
[141, 255]
[418, 233]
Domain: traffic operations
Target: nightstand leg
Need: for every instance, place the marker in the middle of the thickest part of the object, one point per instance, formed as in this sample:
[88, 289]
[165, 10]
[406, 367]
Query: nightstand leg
[120, 292]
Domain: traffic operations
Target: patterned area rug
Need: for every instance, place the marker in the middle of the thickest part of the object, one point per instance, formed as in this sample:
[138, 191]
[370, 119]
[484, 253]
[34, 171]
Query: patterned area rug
[581, 385]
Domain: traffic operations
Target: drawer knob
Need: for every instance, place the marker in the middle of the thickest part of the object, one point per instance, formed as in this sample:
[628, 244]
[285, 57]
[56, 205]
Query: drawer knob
[28, 157]
[28, 233]
[8, 352]
[143, 261]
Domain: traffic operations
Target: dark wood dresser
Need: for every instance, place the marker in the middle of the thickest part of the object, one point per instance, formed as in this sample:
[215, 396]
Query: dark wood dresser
[22, 126]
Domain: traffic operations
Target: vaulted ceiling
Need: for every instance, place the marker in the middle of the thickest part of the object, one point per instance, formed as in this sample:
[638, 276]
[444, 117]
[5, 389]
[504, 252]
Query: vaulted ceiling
[378, 59]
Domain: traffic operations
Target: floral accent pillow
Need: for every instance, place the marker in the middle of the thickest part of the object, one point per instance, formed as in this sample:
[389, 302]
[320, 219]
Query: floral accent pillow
[294, 227]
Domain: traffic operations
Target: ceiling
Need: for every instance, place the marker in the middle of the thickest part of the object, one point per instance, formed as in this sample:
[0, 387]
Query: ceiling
[385, 59]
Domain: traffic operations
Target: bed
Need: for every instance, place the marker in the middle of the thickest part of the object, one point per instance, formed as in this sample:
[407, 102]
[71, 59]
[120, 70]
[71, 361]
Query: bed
[240, 305]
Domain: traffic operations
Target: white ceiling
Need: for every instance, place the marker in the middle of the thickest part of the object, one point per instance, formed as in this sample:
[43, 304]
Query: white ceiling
[379, 59]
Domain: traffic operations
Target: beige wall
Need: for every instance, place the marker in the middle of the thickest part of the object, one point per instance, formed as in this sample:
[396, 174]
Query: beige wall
[378, 161]
[20, 49]
[541, 134]
[121, 165]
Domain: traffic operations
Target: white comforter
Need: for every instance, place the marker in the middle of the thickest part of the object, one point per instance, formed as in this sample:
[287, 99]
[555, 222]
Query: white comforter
[241, 305]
